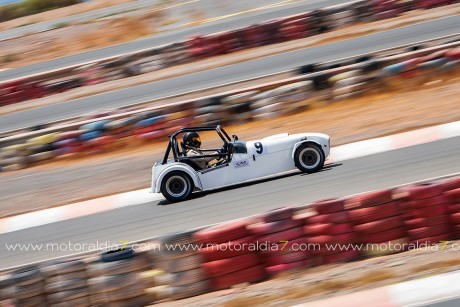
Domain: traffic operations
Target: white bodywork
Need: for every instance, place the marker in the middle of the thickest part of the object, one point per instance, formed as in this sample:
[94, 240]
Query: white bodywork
[265, 157]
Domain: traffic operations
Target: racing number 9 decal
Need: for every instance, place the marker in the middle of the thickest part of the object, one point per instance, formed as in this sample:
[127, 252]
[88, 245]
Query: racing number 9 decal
[259, 148]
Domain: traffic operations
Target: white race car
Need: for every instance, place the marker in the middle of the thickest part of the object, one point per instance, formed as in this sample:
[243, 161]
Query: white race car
[236, 162]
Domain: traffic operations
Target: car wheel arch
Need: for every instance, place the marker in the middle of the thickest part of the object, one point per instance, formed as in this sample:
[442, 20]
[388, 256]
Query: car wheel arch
[298, 144]
[183, 168]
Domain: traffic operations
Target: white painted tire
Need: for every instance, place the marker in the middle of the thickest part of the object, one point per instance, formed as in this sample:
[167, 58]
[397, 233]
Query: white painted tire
[336, 8]
[264, 94]
[292, 98]
[266, 116]
[345, 75]
[267, 109]
[341, 15]
[263, 103]
[343, 22]
[208, 110]
[239, 98]
[348, 89]
[294, 88]
[349, 81]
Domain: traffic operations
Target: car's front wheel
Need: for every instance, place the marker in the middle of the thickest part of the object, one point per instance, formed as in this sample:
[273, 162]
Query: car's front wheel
[309, 158]
[176, 186]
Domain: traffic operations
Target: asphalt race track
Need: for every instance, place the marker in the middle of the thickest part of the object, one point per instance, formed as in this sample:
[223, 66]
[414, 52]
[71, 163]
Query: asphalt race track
[158, 217]
[232, 73]
[161, 39]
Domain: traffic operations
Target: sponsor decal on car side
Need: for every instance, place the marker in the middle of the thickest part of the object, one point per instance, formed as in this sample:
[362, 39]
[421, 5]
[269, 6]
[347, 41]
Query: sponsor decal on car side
[241, 163]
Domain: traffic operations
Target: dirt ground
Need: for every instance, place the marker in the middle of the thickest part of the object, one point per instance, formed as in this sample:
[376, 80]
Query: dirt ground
[61, 12]
[205, 64]
[77, 38]
[390, 111]
[310, 284]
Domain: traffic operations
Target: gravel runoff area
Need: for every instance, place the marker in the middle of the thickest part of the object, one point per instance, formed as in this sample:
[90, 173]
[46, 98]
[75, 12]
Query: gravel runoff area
[310, 284]
[388, 111]
[59, 13]
[237, 57]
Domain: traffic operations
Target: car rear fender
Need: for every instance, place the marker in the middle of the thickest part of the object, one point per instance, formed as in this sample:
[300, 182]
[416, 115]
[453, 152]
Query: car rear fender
[179, 167]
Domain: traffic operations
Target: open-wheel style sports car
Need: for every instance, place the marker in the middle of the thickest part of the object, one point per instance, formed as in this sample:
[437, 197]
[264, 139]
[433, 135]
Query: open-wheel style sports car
[186, 167]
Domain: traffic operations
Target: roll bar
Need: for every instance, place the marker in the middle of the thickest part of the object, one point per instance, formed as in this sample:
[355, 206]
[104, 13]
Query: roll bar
[172, 145]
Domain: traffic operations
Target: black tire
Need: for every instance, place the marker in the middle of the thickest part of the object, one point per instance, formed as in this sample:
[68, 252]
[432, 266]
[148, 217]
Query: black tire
[26, 275]
[309, 158]
[176, 186]
[119, 254]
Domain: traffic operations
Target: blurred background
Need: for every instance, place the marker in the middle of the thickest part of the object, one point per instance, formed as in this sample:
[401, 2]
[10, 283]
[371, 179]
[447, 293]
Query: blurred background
[91, 90]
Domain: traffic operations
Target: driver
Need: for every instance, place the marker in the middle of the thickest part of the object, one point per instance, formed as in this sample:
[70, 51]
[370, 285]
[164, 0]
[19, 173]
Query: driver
[192, 144]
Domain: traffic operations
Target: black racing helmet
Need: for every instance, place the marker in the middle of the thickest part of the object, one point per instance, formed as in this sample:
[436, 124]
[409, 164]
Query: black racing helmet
[192, 139]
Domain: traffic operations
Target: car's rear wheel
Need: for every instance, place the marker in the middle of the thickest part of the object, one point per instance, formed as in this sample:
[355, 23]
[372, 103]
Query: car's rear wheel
[176, 186]
[309, 158]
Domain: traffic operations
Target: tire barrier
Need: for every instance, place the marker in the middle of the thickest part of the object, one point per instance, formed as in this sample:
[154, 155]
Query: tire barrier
[281, 233]
[426, 213]
[108, 130]
[384, 9]
[24, 287]
[124, 277]
[204, 46]
[181, 259]
[66, 283]
[428, 4]
[377, 220]
[227, 260]
[191, 263]
[323, 231]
